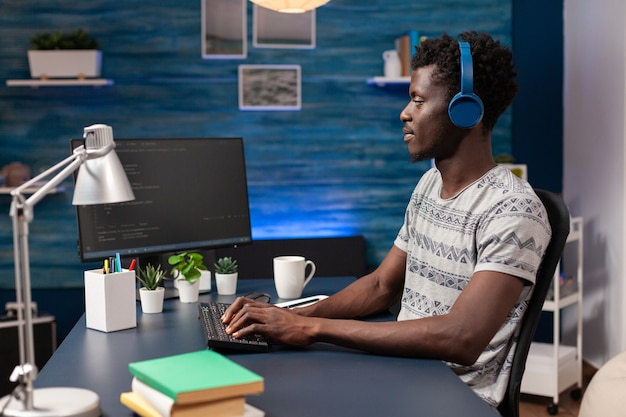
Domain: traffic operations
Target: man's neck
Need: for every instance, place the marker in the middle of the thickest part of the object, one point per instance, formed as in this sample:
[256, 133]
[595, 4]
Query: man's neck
[472, 160]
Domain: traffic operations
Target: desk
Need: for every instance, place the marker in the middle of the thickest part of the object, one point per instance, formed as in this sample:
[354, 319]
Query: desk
[319, 381]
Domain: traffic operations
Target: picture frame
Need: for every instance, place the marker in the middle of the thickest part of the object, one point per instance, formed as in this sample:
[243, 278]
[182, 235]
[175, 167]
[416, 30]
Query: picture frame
[271, 29]
[224, 29]
[270, 87]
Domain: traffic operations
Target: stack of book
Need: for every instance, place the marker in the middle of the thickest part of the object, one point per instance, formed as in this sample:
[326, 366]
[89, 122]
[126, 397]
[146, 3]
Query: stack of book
[405, 45]
[202, 383]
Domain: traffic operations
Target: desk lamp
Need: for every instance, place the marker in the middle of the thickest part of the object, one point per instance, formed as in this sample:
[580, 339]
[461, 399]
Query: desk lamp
[101, 179]
[290, 6]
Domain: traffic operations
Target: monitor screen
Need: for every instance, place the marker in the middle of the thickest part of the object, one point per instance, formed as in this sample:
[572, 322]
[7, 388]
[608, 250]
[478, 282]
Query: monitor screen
[190, 194]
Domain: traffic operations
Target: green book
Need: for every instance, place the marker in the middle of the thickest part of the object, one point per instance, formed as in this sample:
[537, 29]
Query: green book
[196, 377]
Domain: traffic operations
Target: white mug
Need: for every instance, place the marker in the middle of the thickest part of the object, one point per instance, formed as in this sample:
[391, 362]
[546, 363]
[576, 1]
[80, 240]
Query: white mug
[289, 275]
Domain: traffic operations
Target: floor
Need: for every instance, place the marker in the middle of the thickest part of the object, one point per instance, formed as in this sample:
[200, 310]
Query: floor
[536, 406]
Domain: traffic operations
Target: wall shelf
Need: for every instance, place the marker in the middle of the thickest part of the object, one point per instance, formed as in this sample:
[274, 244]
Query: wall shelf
[74, 82]
[383, 81]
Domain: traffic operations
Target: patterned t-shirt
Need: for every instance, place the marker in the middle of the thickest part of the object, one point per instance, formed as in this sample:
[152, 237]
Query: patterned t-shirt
[497, 224]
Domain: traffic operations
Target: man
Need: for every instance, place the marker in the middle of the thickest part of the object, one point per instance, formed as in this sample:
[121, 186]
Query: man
[464, 261]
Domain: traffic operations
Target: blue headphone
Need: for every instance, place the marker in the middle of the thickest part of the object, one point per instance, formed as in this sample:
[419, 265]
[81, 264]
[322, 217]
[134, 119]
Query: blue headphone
[466, 108]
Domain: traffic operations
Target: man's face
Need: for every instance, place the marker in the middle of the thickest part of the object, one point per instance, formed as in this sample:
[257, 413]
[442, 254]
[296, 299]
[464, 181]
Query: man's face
[428, 131]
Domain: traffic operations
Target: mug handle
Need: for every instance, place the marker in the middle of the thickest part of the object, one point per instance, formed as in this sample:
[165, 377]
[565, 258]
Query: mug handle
[308, 278]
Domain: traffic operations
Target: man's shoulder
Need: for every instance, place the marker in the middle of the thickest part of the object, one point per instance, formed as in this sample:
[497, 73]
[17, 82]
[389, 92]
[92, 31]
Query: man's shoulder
[502, 180]
[502, 193]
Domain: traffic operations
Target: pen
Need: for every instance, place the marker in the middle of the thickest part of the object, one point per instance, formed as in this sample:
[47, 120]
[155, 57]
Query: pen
[106, 266]
[301, 302]
[111, 264]
[132, 264]
[118, 263]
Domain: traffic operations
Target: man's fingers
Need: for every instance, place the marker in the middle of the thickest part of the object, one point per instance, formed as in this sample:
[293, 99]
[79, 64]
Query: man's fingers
[236, 306]
[246, 319]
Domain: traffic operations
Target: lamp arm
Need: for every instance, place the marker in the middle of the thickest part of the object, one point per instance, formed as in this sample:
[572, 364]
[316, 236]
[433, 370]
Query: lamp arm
[71, 164]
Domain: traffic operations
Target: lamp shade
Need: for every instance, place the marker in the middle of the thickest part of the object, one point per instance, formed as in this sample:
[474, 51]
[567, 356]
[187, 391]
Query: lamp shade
[101, 179]
[290, 6]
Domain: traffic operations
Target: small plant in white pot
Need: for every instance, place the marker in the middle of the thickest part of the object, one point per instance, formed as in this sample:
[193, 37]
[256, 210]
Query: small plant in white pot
[186, 268]
[226, 275]
[508, 161]
[151, 293]
[73, 54]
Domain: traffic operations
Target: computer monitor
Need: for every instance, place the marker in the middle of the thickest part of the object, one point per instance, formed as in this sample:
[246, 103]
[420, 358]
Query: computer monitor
[190, 194]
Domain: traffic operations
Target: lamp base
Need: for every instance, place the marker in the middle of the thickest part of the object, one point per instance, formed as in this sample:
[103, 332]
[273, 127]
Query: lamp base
[55, 402]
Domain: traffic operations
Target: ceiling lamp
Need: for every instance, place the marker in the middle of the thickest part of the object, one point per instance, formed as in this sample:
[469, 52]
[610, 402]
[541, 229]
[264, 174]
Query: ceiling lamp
[290, 6]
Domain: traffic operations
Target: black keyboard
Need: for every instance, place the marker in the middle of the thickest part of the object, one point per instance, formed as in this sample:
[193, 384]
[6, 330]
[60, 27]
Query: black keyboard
[215, 331]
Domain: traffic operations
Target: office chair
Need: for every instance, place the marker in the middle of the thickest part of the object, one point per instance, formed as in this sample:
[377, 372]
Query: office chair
[558, 216]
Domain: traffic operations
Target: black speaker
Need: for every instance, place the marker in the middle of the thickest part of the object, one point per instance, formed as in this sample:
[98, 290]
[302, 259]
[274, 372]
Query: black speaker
[44, 329]
[466, 108]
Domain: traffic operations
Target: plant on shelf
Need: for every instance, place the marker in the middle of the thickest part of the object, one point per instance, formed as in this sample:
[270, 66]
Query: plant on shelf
[504, 158]
[76, 39]
[188, 265]
[74, 54]
[509, 162]
[150, 277]
[225, 265]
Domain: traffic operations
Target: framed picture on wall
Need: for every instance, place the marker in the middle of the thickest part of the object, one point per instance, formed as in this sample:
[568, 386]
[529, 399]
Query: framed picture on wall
[224, 29]
[270, 87]
[282, 30]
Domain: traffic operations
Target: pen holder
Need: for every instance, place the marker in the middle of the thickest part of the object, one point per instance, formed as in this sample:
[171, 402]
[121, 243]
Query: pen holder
[110, 300]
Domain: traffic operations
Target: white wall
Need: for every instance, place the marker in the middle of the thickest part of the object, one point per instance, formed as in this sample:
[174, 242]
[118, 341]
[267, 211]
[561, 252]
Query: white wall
[594, 155]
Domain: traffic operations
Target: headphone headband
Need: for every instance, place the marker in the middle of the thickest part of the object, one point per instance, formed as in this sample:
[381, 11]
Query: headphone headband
[467, 69]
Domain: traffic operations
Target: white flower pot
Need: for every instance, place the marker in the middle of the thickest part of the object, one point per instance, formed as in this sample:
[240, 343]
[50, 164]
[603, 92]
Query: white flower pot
[226, 283]
[188, 292]
[151, 300]
[65, 63]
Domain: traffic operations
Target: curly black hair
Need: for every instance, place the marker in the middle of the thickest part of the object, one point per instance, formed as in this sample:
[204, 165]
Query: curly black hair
[494, 71]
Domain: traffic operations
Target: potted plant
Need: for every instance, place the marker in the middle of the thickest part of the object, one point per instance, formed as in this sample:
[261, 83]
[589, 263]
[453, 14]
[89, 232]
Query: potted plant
[226, 275]
[186, 269]
[151, 293]
[508, 161]
[74, 54]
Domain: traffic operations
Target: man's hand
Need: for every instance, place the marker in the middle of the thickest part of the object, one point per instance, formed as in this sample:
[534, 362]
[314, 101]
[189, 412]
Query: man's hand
[246, 317]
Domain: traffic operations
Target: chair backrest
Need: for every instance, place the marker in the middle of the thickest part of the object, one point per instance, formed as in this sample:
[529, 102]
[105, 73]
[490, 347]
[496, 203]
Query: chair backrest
[558, 216]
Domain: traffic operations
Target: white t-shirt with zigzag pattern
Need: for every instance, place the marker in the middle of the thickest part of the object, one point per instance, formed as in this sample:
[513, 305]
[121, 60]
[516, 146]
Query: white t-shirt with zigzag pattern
[496, 223]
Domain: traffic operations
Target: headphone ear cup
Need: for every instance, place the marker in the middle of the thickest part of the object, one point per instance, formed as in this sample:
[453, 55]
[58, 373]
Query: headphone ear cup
[466, 110]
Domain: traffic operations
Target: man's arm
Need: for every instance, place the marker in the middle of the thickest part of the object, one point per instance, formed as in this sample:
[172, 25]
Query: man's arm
[368, 295]
[458, 336]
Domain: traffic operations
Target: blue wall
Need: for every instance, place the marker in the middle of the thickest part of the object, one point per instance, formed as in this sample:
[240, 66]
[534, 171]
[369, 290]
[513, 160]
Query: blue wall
[537, 128]
[338, 166]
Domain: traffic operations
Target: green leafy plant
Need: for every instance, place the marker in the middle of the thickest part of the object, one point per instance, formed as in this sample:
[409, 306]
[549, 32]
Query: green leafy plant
[77, 39]
[226, 265]
[510, 160]
[504, 158]
[150, 277]
[188, 265]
